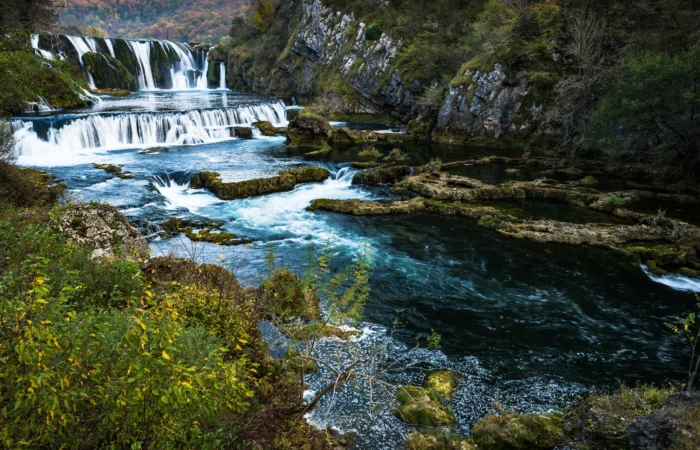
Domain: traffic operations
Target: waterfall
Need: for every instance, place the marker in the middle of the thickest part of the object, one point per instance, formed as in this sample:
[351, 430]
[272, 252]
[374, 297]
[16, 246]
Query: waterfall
[202, 81]
[187, 71]
[82, 45]
[100, 132]
[222, 76]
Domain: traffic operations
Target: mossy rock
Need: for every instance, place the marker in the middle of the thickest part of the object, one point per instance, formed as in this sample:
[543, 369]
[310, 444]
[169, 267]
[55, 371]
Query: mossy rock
[443, 382]
[108, 72]
[438, 441]
[153, 150]
[309, 130]
[114, 170]
[599, 422]
[364, 165]
[285, 181]
[345, 135]
[283, 297]
[292, 114]
[112, 92]
[366, 207]
[315, 330]
[384, 175]
[419, 129]
[588, 180]
[690, 273]
[27, 187]
[420, 406]
[267, 129]
[243, 132]
[519, 432]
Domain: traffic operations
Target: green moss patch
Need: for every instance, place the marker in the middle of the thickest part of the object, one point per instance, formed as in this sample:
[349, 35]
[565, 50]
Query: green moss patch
[443, 382]
[419, 406]
[519, 432]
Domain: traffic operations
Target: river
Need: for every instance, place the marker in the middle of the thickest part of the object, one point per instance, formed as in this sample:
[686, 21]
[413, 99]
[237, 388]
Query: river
[526, 325]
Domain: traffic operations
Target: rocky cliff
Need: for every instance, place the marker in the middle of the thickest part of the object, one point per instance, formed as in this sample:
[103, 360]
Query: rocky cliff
[332, 57]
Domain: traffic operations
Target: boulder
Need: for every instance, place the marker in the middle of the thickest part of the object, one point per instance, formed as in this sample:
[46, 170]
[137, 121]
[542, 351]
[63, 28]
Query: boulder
[309, 130]
[419, 406]
[267, 129]
[518, 432]
[103, 228]
[675, 426]
[243, 132]
[438, 441]
[285, 181]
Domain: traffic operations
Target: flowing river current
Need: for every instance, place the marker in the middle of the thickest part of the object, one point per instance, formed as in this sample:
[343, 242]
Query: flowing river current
[525, 325]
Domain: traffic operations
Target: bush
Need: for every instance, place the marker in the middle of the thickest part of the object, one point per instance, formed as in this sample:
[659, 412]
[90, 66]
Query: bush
[373, 32]
[165, 366]
[651, 113]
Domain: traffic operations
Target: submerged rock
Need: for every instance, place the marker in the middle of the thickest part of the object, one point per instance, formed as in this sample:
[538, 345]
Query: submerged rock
[285, 181]
[114, 170]
[420, 406]
[519, 432]
[104, 229]
[366, 207]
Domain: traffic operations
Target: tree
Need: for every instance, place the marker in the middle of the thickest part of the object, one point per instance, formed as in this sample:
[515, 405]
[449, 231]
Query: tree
[264, 15]
[33, 15]
[652, 114]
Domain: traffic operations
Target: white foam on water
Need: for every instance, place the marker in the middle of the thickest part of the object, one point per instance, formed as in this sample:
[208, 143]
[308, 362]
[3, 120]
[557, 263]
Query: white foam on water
[674, 281]
[181, 196]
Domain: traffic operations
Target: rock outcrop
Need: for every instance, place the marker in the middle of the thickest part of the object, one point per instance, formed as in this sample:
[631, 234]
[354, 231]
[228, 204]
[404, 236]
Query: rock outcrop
[492, 103]
[309, 130]
[285, 181]
[104, 229]
[108, 73]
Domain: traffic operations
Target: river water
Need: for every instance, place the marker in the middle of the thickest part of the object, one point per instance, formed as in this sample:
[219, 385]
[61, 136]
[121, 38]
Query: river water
[526, 325]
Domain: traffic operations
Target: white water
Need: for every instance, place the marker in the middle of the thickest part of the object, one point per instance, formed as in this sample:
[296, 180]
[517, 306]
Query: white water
[95, 133]
[674, 281]
[202, 82]
[284, 214]
[222, 76]
[43, 53]
[142, 50]
[181, 196]
[82, 45]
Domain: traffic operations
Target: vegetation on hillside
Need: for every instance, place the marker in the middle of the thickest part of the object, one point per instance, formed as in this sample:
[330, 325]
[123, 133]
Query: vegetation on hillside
[186, 21]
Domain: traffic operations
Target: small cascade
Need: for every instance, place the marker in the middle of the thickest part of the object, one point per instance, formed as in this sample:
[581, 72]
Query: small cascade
[222, 76]
[175, 188]
[101, 132]
[43, 53]
[202, 82]
[142, 51]
[82, 45]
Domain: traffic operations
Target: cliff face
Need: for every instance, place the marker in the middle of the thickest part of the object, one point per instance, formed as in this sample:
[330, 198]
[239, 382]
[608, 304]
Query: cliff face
[488, 104]
[331, 55]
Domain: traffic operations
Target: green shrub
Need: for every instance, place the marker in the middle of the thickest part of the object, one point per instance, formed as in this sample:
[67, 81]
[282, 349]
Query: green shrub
[373, 32]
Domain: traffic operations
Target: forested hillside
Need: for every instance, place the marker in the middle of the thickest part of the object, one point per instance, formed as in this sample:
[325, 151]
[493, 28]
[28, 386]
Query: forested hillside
[180, 20]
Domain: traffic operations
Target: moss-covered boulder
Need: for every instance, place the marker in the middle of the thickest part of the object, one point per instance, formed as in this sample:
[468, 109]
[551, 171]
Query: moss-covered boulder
[108, 72]
[292, 114]
[599, 422]
[675, 426]
[27, 187]
[243, 132]
[443, 382]
[309, 130]
[519, 432]
[117, 171]
[285, 181]
[420, 406]
[103, 228]
[267, 129]
[201, 232]
[345, 135]
[438, 441]
[282, 296]
[419, 129]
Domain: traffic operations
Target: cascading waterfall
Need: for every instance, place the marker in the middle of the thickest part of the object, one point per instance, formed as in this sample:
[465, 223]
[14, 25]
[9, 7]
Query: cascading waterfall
[222, 76]
[186, 71]
[101, 132]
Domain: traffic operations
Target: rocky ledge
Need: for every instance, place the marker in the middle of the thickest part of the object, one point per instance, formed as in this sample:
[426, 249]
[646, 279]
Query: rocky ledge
[285, 181]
